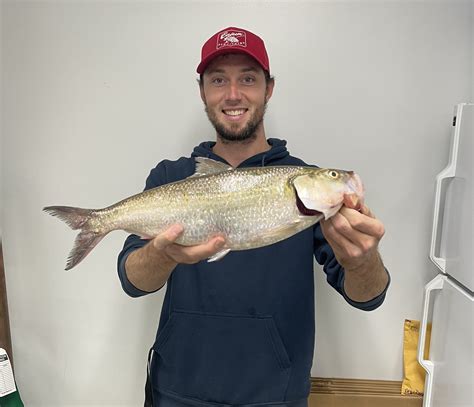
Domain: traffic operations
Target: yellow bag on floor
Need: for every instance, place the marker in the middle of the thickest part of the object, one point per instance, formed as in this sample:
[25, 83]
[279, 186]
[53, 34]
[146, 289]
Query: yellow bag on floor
[414, 374]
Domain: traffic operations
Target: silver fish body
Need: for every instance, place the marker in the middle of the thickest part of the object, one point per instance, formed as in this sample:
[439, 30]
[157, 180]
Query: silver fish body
[251, 207]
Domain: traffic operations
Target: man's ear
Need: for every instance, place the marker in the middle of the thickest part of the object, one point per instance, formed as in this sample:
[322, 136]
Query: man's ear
[269, 90]
[201, 91]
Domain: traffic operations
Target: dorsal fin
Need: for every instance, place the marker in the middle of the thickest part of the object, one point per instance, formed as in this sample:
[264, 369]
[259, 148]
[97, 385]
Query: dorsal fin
[207, 166]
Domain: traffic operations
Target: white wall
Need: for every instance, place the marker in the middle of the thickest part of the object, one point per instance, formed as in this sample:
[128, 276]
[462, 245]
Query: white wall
[96, 93]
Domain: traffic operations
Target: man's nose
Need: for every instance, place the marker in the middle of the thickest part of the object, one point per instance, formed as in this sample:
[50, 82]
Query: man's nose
[233, 91]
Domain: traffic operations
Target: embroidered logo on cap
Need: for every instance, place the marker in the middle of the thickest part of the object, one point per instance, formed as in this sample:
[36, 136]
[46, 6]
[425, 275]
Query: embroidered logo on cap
[231, 39]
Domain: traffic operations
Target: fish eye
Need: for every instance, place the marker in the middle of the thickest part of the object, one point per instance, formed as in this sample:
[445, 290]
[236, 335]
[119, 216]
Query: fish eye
[333, 174]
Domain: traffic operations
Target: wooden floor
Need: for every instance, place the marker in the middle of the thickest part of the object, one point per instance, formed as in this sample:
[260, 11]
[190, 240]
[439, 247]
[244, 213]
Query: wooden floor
[327, 392]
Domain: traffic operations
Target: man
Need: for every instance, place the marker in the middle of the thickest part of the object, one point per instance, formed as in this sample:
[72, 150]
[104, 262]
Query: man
[240, 331]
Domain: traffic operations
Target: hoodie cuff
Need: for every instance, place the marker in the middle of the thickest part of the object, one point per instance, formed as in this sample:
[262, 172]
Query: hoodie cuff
[369, 305]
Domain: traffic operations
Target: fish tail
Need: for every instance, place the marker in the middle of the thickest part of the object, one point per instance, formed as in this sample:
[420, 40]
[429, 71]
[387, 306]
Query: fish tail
[76, 218]
[86, 240]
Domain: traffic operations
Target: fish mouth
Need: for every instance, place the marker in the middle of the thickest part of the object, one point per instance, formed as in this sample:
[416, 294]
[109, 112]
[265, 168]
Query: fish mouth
[303, 209]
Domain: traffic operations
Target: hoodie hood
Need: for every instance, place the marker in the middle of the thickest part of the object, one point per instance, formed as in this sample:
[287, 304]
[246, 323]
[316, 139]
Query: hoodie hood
[276, 153]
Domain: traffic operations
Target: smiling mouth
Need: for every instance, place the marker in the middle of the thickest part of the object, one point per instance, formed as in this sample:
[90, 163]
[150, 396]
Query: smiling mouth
[234, 112]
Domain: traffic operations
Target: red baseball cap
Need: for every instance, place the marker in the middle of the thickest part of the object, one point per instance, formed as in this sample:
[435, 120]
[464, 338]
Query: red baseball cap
[234, 40]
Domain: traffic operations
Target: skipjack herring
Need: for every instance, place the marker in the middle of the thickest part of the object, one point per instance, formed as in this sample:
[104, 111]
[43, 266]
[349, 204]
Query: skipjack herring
[251, 207]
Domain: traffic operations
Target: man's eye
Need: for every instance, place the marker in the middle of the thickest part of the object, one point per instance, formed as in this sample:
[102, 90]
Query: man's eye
[248, 80]
[218, 81]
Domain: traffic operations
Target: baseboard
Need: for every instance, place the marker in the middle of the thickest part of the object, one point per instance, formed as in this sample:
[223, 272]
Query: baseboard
[332, 392]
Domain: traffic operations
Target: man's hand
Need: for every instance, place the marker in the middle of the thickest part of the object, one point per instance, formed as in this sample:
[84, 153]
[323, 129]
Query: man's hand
[186, 254]
[149, 268]
[354, 237]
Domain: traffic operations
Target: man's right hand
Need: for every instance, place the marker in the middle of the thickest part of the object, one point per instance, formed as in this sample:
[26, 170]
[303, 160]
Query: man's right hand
[149, 267]
[186, 254]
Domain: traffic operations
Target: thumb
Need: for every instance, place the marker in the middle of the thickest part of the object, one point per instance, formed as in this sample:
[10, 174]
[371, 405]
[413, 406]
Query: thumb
[168, 237]
[365, 210]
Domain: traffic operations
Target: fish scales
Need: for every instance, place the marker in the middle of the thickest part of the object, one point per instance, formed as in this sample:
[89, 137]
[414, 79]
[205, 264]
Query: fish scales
[244, 205]
[251, 207]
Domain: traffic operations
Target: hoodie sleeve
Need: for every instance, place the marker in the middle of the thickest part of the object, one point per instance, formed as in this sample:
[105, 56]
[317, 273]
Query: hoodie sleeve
[157, 177]
[335, 272]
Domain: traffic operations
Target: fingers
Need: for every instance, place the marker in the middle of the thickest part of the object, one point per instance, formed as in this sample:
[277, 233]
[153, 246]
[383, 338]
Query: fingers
[165, 242]
[365, 210]
[193, 254]
[168, 237]
[363, 221]
[345, 241]
[353, 235]
[337, 241]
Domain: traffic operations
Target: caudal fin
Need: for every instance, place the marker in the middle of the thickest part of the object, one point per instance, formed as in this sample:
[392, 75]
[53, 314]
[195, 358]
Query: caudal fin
[86, 240]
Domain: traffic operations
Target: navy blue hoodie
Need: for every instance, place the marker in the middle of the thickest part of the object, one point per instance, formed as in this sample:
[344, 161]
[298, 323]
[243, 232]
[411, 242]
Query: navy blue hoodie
[239, 330]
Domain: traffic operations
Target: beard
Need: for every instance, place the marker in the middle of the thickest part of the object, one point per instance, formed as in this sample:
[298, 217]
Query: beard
[233, 133]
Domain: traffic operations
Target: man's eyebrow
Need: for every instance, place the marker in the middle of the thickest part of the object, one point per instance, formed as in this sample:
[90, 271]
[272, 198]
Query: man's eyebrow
[250, 69]
[215, 70]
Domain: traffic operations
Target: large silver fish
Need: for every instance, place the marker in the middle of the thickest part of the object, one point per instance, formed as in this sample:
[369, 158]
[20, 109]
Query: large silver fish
[251, 207]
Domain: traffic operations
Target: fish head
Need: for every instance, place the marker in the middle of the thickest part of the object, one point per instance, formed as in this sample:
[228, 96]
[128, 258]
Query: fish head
[322, 191]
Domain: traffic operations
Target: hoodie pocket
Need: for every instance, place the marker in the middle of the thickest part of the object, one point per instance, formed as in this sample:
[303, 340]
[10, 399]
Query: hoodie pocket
[222, 358]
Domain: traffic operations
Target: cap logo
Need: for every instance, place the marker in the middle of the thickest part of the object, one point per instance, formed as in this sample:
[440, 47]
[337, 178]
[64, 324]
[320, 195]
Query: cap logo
[231, 39]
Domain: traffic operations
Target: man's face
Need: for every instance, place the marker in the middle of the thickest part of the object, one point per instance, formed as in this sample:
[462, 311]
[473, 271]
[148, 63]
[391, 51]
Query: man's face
[235, 93]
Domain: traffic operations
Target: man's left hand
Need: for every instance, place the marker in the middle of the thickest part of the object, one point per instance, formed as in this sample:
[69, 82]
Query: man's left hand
[354, 237]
